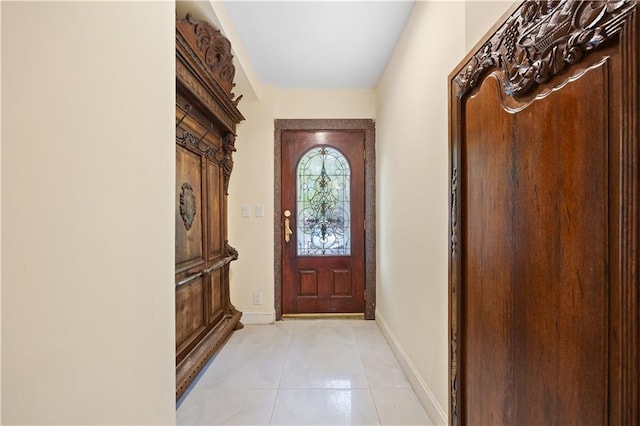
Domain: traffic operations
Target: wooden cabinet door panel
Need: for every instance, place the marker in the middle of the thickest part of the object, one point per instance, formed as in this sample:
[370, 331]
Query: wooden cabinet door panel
[189, 209]
[561, 242]
[544, 220]
[190, 315]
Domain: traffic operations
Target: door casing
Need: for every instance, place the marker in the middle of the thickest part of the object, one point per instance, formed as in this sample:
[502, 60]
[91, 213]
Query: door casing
[370, 206]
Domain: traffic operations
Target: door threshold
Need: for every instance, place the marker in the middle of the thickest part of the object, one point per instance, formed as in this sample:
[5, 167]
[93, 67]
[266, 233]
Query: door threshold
[324, 316]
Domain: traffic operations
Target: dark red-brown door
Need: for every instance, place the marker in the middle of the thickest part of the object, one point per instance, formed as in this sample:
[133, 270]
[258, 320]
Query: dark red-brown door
[323, 206]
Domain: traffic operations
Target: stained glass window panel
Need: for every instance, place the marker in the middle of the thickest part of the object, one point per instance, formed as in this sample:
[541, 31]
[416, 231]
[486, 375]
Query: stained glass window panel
[323, 203]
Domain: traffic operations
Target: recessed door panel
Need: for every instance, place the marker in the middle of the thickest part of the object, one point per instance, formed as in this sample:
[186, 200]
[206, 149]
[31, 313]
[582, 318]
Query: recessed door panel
[341, 283]
[190, 315]
[189, 229]
[216, 304]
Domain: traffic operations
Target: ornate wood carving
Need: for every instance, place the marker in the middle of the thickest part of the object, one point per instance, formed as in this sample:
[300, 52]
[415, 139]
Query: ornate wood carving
[538, 42]
[454, 211]
[187, 205]
[187, 139]
[228, 148]
[230, 251]
[204, 94]
[206, 118]
[212, 48]
[454, 301]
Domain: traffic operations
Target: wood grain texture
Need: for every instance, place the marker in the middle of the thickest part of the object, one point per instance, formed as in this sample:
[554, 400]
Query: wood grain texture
[544, 220]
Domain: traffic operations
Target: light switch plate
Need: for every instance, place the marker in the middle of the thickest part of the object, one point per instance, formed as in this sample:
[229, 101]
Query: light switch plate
[259, 210]
[246, 211]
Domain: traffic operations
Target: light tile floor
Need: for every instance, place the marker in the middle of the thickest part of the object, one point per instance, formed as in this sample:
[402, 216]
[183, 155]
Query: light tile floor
[303, 372]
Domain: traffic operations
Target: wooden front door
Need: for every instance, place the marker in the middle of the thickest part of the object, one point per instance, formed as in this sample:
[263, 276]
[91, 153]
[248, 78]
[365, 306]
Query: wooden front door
[323, 214]
[544, 220]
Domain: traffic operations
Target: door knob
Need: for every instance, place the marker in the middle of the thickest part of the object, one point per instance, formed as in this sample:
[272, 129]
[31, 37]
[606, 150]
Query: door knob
[287, 228]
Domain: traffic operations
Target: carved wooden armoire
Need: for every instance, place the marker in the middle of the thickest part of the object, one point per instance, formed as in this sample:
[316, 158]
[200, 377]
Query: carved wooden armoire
[545, 206]
[206, 118]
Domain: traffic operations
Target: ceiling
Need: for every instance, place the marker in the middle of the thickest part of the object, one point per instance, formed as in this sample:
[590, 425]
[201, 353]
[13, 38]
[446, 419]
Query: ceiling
[319, 44]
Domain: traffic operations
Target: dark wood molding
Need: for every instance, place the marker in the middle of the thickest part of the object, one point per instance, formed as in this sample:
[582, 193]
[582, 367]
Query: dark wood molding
[629, 202]
[209, 345]
[370, 196]
[537, 51]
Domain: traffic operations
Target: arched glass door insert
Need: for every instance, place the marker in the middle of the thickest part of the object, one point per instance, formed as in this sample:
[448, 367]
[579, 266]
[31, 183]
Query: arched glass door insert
[323, 203]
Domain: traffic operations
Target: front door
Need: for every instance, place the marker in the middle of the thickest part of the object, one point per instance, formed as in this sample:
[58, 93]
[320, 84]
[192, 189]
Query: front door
[323, 213]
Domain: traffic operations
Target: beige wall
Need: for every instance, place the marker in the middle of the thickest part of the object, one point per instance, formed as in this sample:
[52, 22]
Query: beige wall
[87, 224]
[481, 15]
[413, 194]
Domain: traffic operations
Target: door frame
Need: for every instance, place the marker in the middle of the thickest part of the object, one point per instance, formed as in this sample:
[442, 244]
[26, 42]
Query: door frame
[368, 126]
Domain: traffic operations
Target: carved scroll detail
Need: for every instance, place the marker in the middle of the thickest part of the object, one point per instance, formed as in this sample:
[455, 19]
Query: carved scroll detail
[454, 300]
[230, 251]
[228, 148]
[216, 50]
[454, 370]
[187, 205]
[454, 211]
[539, 41]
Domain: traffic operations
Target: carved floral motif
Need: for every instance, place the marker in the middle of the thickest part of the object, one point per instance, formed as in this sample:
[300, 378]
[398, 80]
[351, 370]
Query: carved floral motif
[187, 205]
[542, 39]
[230, 251]
[188, 139]
[454, 211]
[454, 322]
[217, 51]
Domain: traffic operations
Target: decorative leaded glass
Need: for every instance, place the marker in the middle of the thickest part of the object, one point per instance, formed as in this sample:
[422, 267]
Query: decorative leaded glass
[323, 201]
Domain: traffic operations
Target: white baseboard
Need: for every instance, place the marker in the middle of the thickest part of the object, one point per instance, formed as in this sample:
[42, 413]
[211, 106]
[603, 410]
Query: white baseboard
[259, 317]
[423, 392]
